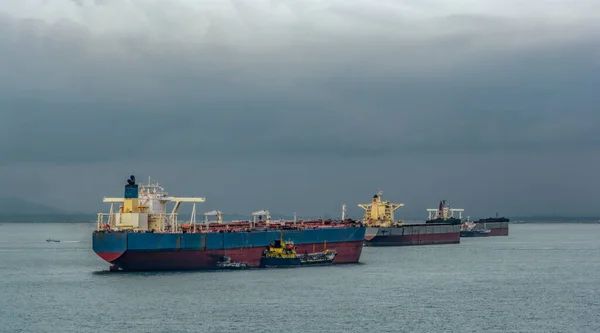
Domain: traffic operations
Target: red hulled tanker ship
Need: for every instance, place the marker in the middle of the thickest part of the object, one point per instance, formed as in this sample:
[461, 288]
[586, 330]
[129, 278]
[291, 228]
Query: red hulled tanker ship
[383, 230]
[142, 236]
[497, 225]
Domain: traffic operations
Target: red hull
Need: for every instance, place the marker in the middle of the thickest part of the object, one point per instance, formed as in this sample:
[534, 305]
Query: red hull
[416, 239]
[497, 228]
[499, 232]
[348, 252]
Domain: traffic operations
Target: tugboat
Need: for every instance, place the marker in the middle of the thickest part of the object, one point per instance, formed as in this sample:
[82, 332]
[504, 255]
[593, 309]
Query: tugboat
[470, 229]
[282, 254]
[227, 263]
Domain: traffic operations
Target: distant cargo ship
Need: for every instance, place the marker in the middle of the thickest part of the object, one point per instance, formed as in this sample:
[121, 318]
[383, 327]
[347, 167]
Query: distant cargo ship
[142, 236]
[497, 225]
[470, 229]
[383, 230]
[444, 214]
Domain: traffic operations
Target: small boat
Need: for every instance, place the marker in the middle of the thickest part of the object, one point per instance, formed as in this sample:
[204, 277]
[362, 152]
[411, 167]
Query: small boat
[475, 233]
[227, 263]
[50, 240]
[470, 229]
[282, 254]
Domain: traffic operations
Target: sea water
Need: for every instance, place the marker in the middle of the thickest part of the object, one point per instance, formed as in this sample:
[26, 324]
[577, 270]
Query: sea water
[542, 278]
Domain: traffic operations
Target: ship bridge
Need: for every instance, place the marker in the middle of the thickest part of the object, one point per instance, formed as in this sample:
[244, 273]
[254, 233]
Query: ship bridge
[380, 213]
[444, 212]
[144, 207]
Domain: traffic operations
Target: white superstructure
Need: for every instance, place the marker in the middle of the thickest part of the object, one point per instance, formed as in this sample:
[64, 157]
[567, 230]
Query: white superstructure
[144, 207]
[444, 212]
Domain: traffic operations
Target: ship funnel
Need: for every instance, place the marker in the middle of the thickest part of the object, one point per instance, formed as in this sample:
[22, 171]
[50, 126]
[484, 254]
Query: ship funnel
[130, 197]
[131, 189]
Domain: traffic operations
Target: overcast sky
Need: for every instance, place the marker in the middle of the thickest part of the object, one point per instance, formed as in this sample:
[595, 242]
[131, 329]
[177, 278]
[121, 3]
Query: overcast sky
[303, 105]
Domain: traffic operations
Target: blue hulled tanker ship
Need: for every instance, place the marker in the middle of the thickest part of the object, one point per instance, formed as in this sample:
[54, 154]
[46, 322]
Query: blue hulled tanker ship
[142, 236]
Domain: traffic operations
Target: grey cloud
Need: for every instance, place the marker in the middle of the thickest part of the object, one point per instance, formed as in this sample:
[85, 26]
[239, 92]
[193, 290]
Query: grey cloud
[483, 183]
[214, 102]
[346, 86]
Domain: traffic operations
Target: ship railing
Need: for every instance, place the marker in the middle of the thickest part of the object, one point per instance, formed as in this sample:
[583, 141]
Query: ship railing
[161, 219]
[168, 222]
[110, 218]
[172, 223]
[164, 221]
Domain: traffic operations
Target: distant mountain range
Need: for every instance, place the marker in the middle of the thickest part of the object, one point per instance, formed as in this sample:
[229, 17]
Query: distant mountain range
[91, 218]
[14, 209]
[13, 205]
[82, 217]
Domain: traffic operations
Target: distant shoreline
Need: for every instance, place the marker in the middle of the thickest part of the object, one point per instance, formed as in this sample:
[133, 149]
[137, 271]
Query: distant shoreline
[93, 222]
[91, 218]
[42, 218]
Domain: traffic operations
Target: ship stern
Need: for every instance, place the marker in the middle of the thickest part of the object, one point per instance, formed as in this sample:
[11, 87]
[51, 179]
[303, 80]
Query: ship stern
[109, 245]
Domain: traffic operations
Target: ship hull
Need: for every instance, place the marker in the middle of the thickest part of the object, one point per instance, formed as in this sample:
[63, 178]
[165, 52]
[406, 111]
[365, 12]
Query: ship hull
[292, 262]
[497, 228]
[474, 234]
[416, 234]
[198, 251]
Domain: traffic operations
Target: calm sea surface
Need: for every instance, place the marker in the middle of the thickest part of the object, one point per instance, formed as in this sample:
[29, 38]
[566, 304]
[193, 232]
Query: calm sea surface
[541, 278]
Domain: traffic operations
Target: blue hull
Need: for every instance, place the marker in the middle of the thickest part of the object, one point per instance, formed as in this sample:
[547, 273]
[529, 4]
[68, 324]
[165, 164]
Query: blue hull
[474, 234]
[174, 251]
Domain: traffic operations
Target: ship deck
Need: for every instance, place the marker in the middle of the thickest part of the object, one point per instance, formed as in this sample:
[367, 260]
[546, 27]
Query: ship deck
[246, 226]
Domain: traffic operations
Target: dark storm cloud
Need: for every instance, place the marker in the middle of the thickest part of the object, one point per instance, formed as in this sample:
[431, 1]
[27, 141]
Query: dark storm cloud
[96, 82]
[142, 95]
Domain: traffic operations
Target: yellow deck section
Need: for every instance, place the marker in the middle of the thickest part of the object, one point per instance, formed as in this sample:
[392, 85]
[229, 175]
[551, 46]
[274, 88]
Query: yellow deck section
[380, 213]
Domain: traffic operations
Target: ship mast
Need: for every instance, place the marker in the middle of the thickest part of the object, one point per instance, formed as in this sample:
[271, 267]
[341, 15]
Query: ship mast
[379, 213]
